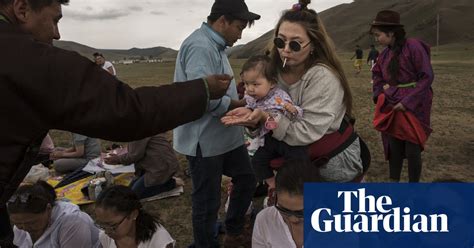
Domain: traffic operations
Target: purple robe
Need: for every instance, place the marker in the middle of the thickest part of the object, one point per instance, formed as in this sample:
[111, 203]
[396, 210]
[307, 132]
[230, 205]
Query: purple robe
[415, 66]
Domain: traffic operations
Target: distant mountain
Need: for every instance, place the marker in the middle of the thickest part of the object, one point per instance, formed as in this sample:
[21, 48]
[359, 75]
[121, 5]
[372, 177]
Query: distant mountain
[348, 24]
[257, 46]
[116, 54]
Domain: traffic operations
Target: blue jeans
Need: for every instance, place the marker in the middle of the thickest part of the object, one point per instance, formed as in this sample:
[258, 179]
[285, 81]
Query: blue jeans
[206, 175]
[138, 186]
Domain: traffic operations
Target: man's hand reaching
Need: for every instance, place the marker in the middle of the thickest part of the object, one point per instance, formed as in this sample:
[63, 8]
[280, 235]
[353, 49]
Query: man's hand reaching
[218, 85]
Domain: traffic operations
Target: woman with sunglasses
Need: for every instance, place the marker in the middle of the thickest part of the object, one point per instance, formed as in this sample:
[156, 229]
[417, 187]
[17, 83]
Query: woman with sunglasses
[120, 215]
[282, 224]
[308, 69]
[42, 222]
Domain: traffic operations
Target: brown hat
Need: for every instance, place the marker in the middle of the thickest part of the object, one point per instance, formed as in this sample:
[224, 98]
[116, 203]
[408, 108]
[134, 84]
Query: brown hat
[235, 8]
[387, 18]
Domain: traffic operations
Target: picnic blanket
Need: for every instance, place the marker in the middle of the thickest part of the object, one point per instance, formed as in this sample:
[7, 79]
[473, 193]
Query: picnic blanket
[72, 192]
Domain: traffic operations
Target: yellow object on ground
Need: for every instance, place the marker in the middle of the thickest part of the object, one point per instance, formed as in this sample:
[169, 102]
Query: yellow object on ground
[72, 192]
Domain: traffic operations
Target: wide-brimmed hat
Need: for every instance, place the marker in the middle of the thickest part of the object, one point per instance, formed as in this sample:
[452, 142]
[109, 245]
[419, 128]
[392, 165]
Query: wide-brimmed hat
[235, 8]
[387, 18]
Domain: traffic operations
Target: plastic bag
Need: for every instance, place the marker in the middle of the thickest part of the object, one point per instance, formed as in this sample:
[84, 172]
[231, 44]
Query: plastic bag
[37, 172]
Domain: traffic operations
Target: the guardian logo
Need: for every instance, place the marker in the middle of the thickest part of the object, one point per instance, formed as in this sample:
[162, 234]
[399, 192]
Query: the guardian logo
[375, 215]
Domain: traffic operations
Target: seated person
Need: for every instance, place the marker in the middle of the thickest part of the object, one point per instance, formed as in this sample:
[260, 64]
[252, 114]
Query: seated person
[41, 221]
[106, 65]
[274, 223]
[120, 215]
[70, 159]
[155, 164]
[46, 148]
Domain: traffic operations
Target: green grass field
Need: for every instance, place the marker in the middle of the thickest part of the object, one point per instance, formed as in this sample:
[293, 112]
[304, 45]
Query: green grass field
[448, 152]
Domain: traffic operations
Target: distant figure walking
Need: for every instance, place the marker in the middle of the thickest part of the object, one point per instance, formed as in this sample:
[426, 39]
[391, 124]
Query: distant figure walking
[106, 65]
[358, 54]
[404, 108]
[372, 57]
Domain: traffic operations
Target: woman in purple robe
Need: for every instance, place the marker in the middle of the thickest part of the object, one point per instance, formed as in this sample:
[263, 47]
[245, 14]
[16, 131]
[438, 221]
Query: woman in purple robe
[404, 65]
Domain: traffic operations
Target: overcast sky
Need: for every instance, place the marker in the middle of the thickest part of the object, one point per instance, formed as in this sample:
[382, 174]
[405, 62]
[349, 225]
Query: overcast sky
[124, 24]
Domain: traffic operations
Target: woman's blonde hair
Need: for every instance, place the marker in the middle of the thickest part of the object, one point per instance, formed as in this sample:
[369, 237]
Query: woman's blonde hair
[323, 52]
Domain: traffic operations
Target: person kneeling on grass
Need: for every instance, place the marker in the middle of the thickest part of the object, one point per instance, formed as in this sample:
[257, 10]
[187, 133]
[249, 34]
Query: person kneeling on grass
[120, 215]
[42, 222]
[155, 165]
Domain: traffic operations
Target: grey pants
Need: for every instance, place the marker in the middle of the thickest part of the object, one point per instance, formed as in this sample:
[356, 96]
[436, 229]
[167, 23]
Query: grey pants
[65, 165]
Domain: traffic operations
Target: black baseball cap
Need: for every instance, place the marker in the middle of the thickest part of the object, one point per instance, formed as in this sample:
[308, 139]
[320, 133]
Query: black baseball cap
[235, 8]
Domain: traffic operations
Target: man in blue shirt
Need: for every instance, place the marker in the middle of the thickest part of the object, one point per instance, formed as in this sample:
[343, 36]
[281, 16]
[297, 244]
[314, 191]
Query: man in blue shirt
[213, 149]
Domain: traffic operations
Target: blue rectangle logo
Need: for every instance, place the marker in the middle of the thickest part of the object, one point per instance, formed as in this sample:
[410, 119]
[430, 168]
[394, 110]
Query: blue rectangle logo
[389, 215]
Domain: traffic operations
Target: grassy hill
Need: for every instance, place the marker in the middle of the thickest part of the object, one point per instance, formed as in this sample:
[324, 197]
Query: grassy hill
[348, 24]
[116, 54]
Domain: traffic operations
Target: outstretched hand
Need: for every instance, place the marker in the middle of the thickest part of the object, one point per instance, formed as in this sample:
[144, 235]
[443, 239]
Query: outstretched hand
[244, 117]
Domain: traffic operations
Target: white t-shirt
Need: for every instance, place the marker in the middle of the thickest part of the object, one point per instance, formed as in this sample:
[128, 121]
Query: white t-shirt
[107, 65]
[160, 239]
[70, 227]
[271, 231]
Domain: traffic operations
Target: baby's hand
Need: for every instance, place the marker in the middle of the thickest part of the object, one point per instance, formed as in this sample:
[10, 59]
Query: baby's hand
[290, 108]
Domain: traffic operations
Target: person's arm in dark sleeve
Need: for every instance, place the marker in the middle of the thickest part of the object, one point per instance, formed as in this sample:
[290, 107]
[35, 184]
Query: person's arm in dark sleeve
[424, 74]
[378, 82]
[74, 94]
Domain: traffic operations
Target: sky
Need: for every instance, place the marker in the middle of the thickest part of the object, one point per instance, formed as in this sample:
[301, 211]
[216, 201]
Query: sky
[125, 24]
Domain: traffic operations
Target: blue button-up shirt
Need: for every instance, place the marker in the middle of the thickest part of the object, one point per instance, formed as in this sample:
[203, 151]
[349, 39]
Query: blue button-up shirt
[202, 54]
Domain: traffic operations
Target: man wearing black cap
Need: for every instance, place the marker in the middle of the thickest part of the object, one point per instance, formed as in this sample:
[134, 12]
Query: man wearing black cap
[211, 148]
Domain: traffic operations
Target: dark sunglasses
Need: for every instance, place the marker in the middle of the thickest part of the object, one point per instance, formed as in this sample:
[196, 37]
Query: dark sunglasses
[288, 213]
[295, 46]
[112, 227]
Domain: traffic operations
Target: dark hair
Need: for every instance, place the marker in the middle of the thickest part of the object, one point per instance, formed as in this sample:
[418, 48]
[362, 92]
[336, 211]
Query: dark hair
[324, 51]
[213, 18]
[36, 5]
[32, 198]
[400, 39]
[294, 173]
[96, 54]
[260, 63]
[123, 200]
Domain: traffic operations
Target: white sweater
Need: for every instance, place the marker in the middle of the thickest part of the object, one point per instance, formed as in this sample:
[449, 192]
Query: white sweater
[320, 94]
